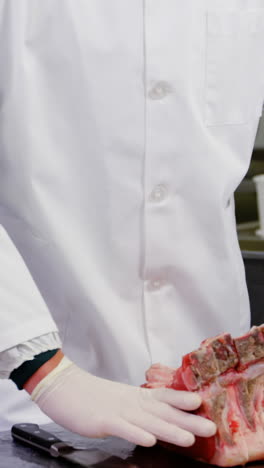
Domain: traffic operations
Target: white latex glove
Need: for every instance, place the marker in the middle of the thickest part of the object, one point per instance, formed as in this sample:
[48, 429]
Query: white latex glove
[95, 407]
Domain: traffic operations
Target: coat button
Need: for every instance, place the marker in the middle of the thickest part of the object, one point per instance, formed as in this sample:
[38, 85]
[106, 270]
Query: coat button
[159, 193]
[160, 90]
[155, 284]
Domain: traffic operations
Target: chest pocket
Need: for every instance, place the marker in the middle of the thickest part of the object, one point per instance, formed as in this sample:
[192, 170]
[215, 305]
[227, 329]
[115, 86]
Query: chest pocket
[234, 88]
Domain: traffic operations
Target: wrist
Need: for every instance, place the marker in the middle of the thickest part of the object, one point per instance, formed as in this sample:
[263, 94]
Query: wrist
[43, 371]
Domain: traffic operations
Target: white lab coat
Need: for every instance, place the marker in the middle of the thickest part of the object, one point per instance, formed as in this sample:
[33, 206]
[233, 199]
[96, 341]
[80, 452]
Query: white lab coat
[125, 127]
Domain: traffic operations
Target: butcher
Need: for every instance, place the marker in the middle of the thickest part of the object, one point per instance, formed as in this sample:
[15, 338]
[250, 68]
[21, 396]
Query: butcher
[125, 128]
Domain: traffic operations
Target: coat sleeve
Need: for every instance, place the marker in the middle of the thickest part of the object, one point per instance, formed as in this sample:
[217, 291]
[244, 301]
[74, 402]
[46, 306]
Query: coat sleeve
[23, 312]
[14, 357]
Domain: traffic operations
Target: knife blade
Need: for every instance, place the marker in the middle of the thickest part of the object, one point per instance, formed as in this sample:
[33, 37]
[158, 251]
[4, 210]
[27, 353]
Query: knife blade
[32, 435]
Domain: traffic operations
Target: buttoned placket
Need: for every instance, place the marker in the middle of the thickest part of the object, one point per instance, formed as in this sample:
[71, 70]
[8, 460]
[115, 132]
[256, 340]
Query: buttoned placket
[157, 189]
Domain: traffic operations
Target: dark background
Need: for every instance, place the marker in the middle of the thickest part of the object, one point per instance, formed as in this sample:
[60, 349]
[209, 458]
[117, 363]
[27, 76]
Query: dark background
[251, 245]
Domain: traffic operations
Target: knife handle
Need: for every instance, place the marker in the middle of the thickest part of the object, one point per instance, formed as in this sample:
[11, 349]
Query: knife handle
[33, 435]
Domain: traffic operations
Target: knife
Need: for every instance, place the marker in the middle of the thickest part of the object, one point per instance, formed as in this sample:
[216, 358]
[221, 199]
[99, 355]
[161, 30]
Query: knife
[33, 436]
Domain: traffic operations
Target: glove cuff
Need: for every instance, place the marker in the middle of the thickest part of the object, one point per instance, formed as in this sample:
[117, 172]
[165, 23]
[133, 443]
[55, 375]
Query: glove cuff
[44, 383]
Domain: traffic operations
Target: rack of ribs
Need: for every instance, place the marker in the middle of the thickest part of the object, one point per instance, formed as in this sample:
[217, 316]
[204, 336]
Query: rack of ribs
[228, 373]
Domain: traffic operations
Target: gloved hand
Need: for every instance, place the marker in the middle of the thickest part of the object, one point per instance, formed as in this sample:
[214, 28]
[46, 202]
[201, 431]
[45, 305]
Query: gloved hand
[95, 407]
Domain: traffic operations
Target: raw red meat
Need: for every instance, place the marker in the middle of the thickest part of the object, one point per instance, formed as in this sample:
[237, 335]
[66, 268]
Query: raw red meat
[229, 375]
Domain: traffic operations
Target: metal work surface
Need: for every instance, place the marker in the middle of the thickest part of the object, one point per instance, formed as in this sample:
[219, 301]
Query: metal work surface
[15, 455]
[249, 240]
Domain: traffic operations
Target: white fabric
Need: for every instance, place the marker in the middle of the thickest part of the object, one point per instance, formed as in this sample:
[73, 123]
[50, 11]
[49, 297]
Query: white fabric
[12, 358]
[98, 408]
[23, 312]
[125, 128]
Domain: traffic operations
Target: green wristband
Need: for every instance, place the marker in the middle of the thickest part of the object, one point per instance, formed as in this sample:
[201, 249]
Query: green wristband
[20, 375]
